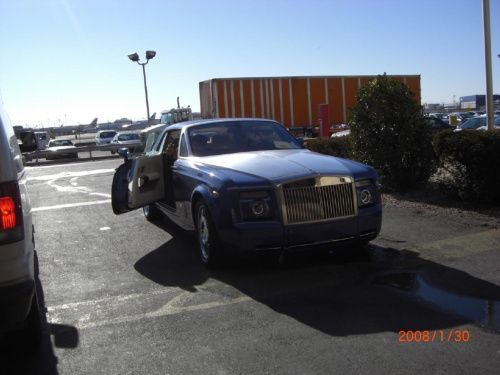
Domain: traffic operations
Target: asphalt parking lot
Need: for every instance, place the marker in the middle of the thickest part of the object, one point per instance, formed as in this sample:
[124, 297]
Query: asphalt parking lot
[124, 296]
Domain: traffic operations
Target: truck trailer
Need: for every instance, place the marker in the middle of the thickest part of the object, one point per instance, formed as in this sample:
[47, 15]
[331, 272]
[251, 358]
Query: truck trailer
[296, 102]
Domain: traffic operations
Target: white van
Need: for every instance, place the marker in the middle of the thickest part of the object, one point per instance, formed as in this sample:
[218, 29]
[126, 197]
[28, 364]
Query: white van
[43, 139]
[149, 136]
[103, 137]
[19, 312]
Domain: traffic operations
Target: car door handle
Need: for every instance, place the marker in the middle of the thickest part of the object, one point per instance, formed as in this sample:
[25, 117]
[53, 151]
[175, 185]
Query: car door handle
[144, 179]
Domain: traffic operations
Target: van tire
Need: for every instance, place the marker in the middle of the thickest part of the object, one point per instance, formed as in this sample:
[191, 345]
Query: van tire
[30, 335]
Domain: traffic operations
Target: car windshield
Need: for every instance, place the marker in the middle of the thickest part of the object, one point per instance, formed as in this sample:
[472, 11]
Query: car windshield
[128, 137]
[474, 123]
[61, 142]
[239, 136]
[107, 134]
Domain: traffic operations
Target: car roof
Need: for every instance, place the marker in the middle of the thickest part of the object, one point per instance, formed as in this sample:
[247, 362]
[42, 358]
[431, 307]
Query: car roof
[181, 125]
[153, 128]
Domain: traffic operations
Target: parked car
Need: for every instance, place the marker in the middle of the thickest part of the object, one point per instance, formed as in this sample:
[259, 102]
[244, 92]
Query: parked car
[342, 133]
[442, 116]
[463, 116]
[125, 139]
[103, 137]
[472, 124]
[496, 124]
[19, 311]
[247, 187]
[61, 148]
[438, 124]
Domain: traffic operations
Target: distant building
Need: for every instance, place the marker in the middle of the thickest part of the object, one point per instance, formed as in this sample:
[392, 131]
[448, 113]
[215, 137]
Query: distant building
[440, 107]
[434, 107]
[477, 101]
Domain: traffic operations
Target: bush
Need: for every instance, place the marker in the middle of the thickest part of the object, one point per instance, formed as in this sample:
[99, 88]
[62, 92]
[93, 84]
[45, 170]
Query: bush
[388, 132]
[470, 164]
[336, 146]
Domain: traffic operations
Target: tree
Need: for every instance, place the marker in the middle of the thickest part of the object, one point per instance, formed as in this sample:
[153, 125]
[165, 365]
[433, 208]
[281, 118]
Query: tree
[389, 133]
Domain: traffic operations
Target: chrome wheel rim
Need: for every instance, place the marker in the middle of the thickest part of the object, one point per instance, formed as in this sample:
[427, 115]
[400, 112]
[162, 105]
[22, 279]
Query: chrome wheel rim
[203, 234]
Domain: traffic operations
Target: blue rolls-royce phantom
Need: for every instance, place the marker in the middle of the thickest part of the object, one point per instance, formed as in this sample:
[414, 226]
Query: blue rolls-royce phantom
[247, 186]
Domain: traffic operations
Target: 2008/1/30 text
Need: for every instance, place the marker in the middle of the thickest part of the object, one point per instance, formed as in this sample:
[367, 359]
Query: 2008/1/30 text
[428, 336]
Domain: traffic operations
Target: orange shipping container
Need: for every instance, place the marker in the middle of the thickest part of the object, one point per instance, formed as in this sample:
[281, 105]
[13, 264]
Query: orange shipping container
[293, 101]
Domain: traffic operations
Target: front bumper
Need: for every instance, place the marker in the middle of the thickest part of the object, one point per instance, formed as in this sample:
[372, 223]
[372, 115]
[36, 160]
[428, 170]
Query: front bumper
[248, 238]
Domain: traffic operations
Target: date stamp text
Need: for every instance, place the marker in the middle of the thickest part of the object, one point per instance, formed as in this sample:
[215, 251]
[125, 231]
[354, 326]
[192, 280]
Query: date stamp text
[431, 336]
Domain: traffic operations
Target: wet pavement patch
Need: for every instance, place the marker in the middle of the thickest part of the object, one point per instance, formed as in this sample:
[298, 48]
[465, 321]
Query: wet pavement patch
[477, 301]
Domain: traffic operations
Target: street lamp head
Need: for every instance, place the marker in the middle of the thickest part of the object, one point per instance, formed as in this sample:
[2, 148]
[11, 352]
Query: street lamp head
[133, 56]
[150, 54]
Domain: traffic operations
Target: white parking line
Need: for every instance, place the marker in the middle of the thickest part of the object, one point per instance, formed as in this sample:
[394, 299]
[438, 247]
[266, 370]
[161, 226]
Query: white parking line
[70, 174]
[70, 205]
[53, 180]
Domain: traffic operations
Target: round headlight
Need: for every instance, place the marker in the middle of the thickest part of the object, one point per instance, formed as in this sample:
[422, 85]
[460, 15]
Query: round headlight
[258, 208]
[365, 196]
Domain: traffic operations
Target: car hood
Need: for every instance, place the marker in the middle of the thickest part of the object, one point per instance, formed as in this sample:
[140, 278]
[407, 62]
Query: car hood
[58, 148]
[279, 165]
[127, 142]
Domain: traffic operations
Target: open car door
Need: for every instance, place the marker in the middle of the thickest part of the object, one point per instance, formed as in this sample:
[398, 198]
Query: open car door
[137, 183]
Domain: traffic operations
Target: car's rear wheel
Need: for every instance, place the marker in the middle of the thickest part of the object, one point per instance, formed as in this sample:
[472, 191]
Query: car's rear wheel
[206, 234]
[151, 212]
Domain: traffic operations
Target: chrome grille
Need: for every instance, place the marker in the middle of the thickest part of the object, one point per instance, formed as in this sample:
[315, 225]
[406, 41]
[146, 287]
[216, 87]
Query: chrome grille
[318, 202]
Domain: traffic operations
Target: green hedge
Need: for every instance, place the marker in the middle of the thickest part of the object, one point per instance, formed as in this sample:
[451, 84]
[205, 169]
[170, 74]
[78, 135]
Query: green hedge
[334, 146]
[470, 164]
[469, 161]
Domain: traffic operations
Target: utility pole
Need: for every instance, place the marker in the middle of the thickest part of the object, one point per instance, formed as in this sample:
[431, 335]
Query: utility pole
[487, 53]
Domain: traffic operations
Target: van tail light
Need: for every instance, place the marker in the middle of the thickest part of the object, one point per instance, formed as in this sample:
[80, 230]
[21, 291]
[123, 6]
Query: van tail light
[8, 211]
[11, 215]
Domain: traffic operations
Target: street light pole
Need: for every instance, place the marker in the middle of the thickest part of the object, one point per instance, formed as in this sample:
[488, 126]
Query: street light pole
[145, 89]
[135, 57]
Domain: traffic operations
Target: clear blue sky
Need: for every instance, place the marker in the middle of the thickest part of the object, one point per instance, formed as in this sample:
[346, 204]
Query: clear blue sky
[66, 60]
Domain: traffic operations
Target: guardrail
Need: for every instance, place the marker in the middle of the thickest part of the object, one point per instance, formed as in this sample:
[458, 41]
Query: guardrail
[38, 154]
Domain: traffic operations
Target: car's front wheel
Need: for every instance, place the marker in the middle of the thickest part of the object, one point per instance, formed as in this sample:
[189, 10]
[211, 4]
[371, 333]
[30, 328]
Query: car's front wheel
[207, 237]
[151, 212]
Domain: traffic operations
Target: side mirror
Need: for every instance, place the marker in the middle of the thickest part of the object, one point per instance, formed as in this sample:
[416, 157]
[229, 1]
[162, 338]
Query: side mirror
[301, 141]
[124, 153]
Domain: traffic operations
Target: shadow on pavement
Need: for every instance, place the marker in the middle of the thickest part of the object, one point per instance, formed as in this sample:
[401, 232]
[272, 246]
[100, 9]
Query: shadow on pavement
[16, 360]
[347, 293]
